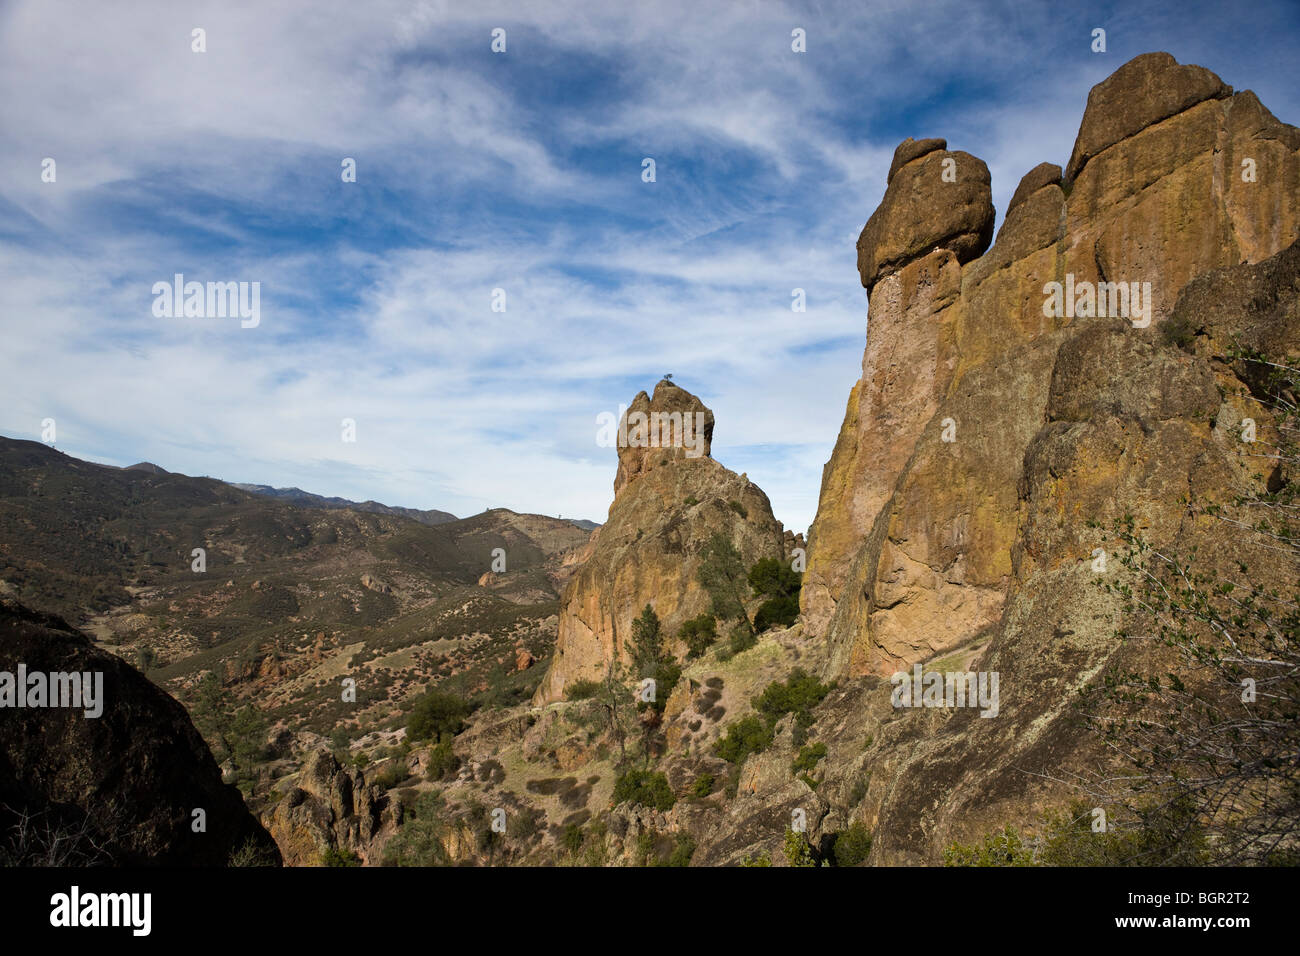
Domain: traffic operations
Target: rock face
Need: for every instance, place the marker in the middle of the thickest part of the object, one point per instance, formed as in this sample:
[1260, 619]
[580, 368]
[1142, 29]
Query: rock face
[329, 808]
[669, 501]
[920, 538]
[120, 788]
[669, 427]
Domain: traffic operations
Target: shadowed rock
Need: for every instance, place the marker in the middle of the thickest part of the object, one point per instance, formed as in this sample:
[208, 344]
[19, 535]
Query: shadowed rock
[120, 788]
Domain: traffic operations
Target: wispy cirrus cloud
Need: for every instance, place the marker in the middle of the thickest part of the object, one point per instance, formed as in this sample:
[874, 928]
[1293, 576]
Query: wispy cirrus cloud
[479, 171]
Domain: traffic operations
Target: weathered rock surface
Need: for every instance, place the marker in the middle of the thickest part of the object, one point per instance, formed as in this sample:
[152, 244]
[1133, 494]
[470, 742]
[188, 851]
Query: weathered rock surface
[941, 200]
[1145, 90]
[922, 502]
[329, 807]
[988, 444]
[671, 426]
[667, 506]
[121, 788]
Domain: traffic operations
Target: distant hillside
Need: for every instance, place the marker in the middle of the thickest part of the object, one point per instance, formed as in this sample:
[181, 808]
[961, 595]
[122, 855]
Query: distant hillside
[287, 594]
[305, 499]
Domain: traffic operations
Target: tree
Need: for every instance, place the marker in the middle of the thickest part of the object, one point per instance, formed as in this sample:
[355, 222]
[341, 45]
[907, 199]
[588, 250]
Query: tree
[234, 734]
[698, 634]
[436, 714]
[772, 577]
[722, 574]
[645, 648]
[775, 580]
[615, 699]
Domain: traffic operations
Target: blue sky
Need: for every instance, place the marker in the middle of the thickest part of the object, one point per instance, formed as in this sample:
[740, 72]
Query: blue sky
[519, 171]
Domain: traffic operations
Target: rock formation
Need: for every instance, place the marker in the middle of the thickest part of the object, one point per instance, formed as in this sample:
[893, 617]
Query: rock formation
[328, 808]
[924, 500]
[670, 498]
[121, 788]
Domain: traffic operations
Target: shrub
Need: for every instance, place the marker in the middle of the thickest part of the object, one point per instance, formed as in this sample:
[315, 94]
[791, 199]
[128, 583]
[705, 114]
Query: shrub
[777, 612]
[742, 638]
[418, 841]
[738, 508]
[436, 714]
[772, 577]
[442, 760]
[572, 838]
[806, 761]
[798, 695]
[703, 785]
[646, 787]
[393, 773]
[996, 849]
[749, 735]
[683, 851]
[583, 690]
[797, 850]
[699, 634]
[852, 846]
[337, 857]
[666, 676]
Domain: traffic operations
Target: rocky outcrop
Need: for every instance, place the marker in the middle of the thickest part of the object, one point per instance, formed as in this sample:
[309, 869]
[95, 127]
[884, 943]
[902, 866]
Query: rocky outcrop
[1145, 90]
[672, 426]
[935, 200]
[670, 499]
[923, 502]
[135, 785]
[329, 807]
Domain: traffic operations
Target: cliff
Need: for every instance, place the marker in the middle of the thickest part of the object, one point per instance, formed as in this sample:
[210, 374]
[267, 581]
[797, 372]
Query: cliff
[670, 498]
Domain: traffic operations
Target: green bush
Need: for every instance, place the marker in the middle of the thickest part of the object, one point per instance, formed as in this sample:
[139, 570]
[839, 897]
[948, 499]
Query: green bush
[336, 857]
[742, 638]
[646, 787]
[797, 850]
[393, 773]
[418, 842]
[443, 761]
[666, 676]
[436, 714]
[777, 612]
[699, 634]
[852, 846]
[772, 577]
[749, 735]
[798, 695]
[583, 690]
[572, 838]
[738, 508]
[806, 761]
[683, 851]
[703, 785]
[1161, 835]
[996, 849]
